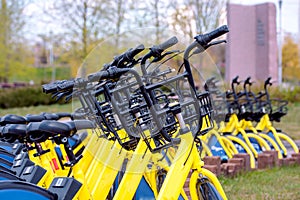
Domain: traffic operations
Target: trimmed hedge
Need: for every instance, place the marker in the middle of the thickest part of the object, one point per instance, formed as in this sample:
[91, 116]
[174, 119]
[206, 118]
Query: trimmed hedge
[27, 96]
[33, 96]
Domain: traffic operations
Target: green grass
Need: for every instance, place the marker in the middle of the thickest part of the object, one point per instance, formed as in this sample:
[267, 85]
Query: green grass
[277, 183]
[37, 109]
[291, 122]
[42, 75]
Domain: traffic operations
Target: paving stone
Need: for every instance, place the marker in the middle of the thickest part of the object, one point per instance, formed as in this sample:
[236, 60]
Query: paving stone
[274, 154]
[288, 161]
[229, 169]
[264, 161]
[246, 157]
[292, 161]
[240, 165]
[297, 157]
[213, 160]
[213, 168]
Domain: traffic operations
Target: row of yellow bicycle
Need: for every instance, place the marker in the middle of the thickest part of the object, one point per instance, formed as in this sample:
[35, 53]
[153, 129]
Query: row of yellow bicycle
[134, 135]
[245, 122]
[138, 131]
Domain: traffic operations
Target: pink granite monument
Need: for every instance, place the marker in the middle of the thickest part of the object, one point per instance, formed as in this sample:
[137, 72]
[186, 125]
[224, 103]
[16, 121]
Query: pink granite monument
[252, 42]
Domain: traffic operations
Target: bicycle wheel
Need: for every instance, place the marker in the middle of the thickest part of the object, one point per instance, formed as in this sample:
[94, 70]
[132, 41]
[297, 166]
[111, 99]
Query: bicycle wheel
[206, 190]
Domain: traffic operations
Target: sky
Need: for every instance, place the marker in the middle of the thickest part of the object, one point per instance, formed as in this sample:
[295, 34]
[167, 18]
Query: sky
[290, 16]
[290, 10]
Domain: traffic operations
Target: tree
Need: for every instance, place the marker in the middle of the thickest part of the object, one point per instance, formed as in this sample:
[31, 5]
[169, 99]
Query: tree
[206, 13]
[82, 25]
[153, 13]
[182, 20]
[116, 18]
[11, 25]
[197, 16]
[290, 59]
[80, 20]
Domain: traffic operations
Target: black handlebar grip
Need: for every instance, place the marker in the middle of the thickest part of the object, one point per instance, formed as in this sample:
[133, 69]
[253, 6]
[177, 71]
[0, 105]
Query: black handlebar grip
[98, 76]
[49, 88]
[247, 81]
[235, 80]
[268, 81]
[218, 32]
[52, 87]
[132, 52]
[111, 73]
[204, 39]
[167, 44]
[126, 56]
[67, 85]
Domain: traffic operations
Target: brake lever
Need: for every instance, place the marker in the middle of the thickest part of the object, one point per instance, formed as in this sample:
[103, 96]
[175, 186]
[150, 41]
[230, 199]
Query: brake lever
[156, 59]
[215, 43]
[60, 96]
[68, 97]
[55, 94]
[201, 49]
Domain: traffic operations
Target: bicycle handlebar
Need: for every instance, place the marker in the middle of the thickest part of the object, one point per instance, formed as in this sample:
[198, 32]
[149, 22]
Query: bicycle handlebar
[204, 39]
[66, 85]
[156, 51]
[52, 87]
[268, 81]
[235, 80]
[111, 73]
[126, 56]
[247, 81]
[132, 52]
[165, 45]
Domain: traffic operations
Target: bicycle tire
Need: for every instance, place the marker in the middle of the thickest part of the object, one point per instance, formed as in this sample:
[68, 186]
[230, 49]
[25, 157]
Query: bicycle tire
[206, 190]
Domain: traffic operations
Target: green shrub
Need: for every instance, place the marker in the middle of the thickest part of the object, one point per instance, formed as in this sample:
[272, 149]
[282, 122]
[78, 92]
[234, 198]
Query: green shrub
[292, 94]
[27, 96]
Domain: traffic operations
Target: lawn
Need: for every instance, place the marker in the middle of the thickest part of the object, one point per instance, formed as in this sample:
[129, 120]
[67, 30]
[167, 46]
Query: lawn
[37, 109]
[291, 122]
[276, 184]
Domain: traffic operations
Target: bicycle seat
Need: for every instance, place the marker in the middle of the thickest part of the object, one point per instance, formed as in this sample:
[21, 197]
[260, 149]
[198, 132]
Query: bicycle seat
[46, 116]
[41, 117]
[11, 132]
[12, 119]
[40, 131]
